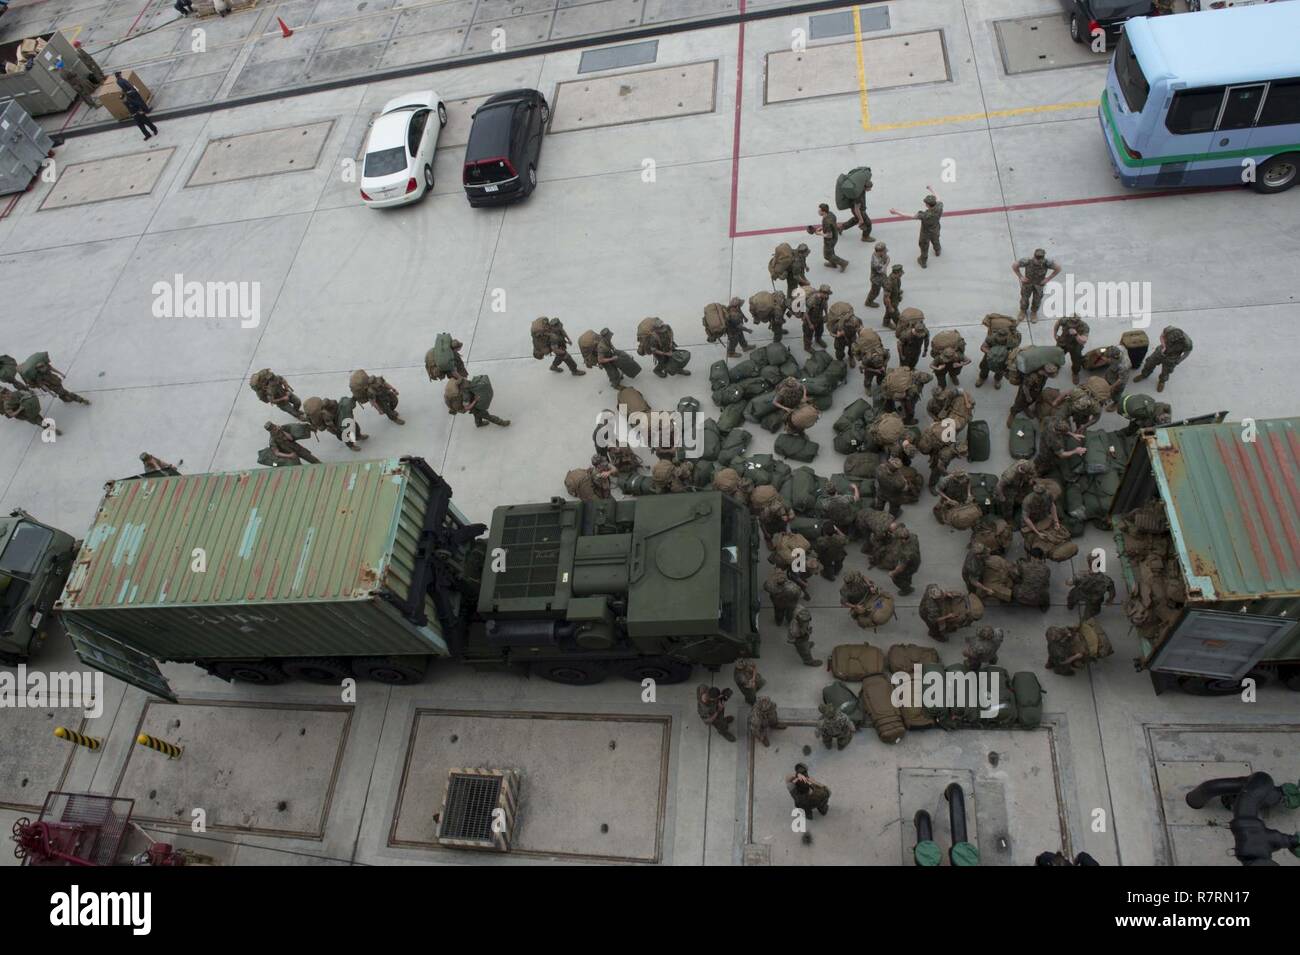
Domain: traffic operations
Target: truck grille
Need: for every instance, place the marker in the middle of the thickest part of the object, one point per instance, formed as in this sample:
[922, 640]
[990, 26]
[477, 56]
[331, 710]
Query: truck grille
[478, 809]
[532, 546]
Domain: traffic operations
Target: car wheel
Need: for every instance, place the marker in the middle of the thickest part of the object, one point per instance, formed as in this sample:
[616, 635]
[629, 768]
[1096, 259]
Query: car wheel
[532, 178]
[546, 115]
[442, 115]
[1076, 29]
[1277, 174]
[428, 177]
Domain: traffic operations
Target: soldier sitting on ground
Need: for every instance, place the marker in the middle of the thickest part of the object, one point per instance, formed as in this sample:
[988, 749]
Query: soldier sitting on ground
[834, 727]
[981, 650]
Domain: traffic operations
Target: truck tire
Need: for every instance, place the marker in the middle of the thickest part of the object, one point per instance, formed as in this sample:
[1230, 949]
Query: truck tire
[1208, 686]
[326, 671]
[571, 672]
[660, 669]
[395, 671]
[257, 672]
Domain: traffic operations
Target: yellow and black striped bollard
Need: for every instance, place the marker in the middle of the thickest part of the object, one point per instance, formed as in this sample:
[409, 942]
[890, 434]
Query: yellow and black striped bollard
[72, 736]
[171, 750]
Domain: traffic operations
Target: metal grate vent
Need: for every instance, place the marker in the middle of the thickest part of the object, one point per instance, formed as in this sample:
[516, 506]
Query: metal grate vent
[533, 543]
[102, 821]
[479, 808]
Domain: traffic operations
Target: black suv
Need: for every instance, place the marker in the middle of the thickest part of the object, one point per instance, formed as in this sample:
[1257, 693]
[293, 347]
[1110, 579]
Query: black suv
[1108, 15]
[505, 141]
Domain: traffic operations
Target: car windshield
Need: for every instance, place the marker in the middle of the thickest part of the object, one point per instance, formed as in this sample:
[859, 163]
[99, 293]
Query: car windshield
[1132, 83]
[385, 162]
[490, 170]
[23, 552]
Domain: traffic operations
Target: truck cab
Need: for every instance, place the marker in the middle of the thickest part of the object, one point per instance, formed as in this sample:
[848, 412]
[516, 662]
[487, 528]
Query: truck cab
[34, 562]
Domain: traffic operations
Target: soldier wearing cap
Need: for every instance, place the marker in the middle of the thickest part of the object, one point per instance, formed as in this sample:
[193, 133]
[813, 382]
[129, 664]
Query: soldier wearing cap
[893, 295]
[1033, 274]
[929, 218]
[879, 273]
[801, 636]
[607, 358]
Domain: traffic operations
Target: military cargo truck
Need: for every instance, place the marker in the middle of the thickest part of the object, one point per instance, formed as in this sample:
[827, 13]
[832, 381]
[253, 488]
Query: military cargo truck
[1208, 536]
[366, 569]
[34, 562]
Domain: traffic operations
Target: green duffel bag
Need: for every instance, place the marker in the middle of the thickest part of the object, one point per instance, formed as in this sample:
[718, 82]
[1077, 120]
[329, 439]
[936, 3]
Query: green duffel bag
[440, 359]
[298, 430]
[817, 385]
[9, 369]
[1106, 486]
[743, 370]
[771, 374]
[803, 490]
[719, 375]
[732, 417]
[1034, 357]
[733, 445]
[777, 471]
[961, 717]
[797, 447]
[753, 387]
[817, 363]
[982, 487]
[780, 471]
[978, 441]
[28, 368]
[846, 701]
[852, 440]
[1096, 459]
[680, 359]
[775, 353]
[820, 402]
[627, 364]
[851, 187]
[837, 371]
[1029, 699]
[760, 407]
[704, 471]
[688, 405]
[1024, 437]
[773, 421]
[1074, 506]
[809, 527]
[729, 395]
[638, 484]
[789, 368]
[266, 457]
[1007, 714]
[862, 464]
[785, 488]
[844, 484]
[710, 440]
[856, 411]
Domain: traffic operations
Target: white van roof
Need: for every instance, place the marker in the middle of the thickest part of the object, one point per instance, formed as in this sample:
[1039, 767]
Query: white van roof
[1219, 47]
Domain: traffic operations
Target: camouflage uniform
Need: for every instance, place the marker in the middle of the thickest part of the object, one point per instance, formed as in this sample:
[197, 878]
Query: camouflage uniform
[856, 589]
[1054, 438]
[662, 346]
[1063, 657]
[764, 717]
[891, 486]
[830, 236]
[814, 323]
[22, 405]
[902, 555]
[1111, 365]
[981, 650]
[774, 518]
[607, 357]
[323, 415]
[810, 796]
[736, 329]
[874, 527]
[834, 727]
[935, 604]
[1030, 392]
[1088, 592]
[1081, 408]
[274, 390]
[893, 295]
[800, 636]
[929, 217]
[913, 340]
[1034, 271]
[711, 705]
[830, 549]
[557, 338]
[284, 446]
[947, 365]
[798, 274]
[845, 336]
[1175, 345]
[1071, 335]
[481, 416]
[942, 457]
[995, 354]
[1143, 411]
[956, 486]
[45, 378]
[773, 318]
[784, 594]
[972, 567]
[1033, 585]
[879, 273]
[384, 397]
[748, 680]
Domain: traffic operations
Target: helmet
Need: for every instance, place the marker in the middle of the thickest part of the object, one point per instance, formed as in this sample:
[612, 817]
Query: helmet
[824, 289]
[897, 268]
[930, 200]
[803, 613]
[554, 321]
[270, 426]
[1040, 253]
[606, 333]
[881, 247]
[144, 456]
[802, 247]
[736, 301]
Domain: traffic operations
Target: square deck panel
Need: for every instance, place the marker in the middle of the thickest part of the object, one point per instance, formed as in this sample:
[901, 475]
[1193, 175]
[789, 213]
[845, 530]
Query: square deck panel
[907, 59]
[33, 761]
[1184, 756]
[98, 180]
[823, 26]
[1032, 44]
[269, 153]
[261, 768]
[635, 97]
[578, 772]
[617, 57]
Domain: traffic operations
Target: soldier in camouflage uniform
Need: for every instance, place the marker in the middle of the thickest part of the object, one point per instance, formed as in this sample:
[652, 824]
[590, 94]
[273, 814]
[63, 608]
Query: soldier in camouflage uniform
[45, 377]
[1058, 444]
[748, 680]
[1111, 365]
[558, 339]
[284, 446]
[1175, 345]
[1030, 392]
[874, 527]
[764, 717]
[773, 318]
[879, 273]
[996, 354]
[808, 793]
[274, 390]
[22, 405]
[941, 453]
[1071, 334]
[816, 305]
[323, 415]
[1038, 513]
[902, 555]
[913, 338]
[834, 727]
[156, 465]
[468, 404]
[830, 549]
[855, 590]
[380, 394]
[891, 485]
[953, 490]
[829, 230]
[736, 329]
[948, 364]
[1033, 274]
[1063, 657]
[972, 568]
[981, 650]
[929, 218]
[800, 635]
[1033, 583]
[1081, 407]
[798, 274]
[711, 704]
[934, 601]
[784, 591]
[872, 357]
[458, 364]
[774, 518]
[662, 346]
[840, 509]
[1015, 482]
[1143, 411]
[607, 358]
[893, 295]
[1088, 592]
[846, 336]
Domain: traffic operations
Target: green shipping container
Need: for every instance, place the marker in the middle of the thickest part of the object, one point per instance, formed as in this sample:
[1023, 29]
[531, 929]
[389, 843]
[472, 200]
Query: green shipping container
[331, 560]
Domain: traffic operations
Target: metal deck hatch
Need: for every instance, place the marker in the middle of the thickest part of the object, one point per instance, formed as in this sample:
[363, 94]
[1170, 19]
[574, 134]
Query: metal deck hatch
[478, 809]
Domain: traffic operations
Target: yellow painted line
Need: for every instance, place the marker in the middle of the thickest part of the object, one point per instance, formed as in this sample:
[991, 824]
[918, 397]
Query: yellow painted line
[862, 69]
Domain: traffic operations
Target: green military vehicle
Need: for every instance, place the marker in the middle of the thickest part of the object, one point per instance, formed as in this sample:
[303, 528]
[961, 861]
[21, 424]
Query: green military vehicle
[366, 569]
[34, 562]
[1208, 533]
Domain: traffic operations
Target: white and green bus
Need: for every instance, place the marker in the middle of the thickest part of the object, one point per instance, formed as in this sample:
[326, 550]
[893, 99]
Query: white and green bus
[1206, 98]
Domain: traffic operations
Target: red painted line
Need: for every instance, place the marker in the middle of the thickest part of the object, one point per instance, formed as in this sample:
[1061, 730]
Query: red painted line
[735, 133]
[147, 5]
[71, 113]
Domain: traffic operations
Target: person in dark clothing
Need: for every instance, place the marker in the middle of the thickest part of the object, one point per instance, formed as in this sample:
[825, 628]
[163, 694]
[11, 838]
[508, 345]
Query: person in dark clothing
[139, 111]
[184, 7]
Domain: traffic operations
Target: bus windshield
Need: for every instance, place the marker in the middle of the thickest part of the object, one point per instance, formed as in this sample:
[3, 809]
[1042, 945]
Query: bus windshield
[1132, 83]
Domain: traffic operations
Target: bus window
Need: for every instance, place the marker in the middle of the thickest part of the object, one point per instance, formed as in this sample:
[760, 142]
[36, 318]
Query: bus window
[1194, 111]
[1241, 106]
[1282, 106]
[1132, 83]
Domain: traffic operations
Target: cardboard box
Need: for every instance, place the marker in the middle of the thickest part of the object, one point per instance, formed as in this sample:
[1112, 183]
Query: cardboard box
[110, 95]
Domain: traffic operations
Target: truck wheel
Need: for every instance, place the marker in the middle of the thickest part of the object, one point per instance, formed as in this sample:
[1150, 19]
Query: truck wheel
[1277, 174]
[258, 672]
[572, 672]
[660, 669]
[1208, 686]
[327, 671]
[1291, 680]
[395, 671]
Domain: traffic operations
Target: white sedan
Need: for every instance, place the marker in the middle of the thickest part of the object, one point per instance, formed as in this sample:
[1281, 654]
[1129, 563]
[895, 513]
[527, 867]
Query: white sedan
[398, 163]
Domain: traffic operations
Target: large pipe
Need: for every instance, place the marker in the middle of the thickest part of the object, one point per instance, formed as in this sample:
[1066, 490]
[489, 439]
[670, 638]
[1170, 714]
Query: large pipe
[1207, 790]
[956, 813]
[1254, 841]
[924, 828]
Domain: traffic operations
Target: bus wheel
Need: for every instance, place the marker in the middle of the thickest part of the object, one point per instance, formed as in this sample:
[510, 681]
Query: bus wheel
[395, 671]
[574, 673]
[660, 669]
[257, 672]
[1208, 686]
[1277, 174]
[326, 671]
